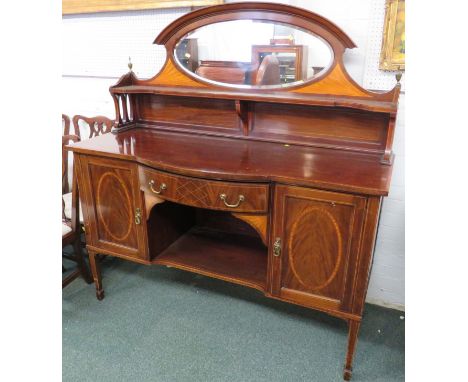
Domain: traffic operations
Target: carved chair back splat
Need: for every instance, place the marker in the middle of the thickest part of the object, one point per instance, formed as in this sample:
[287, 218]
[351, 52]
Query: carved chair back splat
[97, 125]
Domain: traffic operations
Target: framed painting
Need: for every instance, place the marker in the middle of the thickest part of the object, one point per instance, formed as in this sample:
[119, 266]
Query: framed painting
[70, 7]
[392, 56]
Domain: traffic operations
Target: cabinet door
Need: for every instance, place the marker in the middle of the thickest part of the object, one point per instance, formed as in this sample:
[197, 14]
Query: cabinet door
[113, 207]
[317, 242]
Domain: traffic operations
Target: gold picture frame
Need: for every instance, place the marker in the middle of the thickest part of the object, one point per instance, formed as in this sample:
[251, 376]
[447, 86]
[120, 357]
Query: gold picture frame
[70, 7]
[392, 56]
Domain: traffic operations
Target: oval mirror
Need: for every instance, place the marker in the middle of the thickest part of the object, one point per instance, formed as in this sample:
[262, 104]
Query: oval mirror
[253, 54]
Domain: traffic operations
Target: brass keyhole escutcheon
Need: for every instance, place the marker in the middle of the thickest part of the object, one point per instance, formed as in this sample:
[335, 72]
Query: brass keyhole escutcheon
[138, 216]
[277, 247]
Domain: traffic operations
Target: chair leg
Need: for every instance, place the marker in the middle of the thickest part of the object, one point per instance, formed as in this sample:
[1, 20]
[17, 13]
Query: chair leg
[352, 340]
[81, 261]
[83, 242]
[72, 276]
[96, 270]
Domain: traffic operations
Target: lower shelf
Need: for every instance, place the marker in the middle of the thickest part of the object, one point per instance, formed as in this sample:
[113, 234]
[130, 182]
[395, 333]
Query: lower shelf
[237, 258]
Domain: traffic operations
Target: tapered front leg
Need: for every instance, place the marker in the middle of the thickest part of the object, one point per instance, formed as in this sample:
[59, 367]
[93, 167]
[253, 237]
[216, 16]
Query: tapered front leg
[96, 270]
[352, 340]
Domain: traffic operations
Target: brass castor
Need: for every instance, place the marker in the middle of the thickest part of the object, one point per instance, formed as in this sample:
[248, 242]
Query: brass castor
[100, 294]
[347, 374]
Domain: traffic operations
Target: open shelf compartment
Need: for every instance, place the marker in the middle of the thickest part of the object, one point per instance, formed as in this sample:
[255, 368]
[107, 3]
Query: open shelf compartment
[210, 243]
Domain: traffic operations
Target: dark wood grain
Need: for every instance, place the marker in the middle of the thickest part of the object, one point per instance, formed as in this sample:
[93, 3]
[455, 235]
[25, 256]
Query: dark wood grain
[320, 234]
[228, 159]
[337, 128]
[111, 197]
[297, 120]
[205, 194]
[190, 113]
[166, 223]
[263, 95]
[254, 10]
[235, 258]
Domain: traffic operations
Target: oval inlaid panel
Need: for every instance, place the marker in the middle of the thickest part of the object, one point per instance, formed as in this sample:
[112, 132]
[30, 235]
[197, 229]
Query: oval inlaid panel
[114, 206]
[315, 249]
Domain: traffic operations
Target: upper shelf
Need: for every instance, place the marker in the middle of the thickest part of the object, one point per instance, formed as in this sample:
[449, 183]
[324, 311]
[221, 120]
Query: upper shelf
[263, 110]
[271, 96]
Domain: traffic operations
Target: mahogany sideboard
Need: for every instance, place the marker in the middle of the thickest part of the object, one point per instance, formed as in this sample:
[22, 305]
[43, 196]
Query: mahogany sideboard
[277, 189]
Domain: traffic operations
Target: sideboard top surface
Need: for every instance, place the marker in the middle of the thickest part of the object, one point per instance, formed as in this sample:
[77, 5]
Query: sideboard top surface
[222, 158]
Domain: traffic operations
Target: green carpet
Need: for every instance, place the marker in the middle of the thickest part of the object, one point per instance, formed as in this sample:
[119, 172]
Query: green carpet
[161, 324]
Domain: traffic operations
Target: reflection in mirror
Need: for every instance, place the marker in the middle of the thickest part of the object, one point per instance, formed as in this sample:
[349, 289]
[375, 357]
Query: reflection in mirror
[253, 53]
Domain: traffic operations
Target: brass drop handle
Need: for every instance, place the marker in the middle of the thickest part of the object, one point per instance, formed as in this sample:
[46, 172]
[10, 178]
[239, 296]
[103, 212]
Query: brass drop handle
[162, 187]
[277, 247]
[239, 201]
[137, 216]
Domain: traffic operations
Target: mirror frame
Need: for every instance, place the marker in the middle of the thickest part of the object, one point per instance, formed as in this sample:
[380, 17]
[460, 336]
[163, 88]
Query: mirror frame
[248, 86]
[300, 18]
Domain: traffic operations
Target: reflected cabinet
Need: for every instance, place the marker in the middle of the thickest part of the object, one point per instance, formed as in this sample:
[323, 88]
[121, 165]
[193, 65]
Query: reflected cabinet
[292, 60]
[251, 157]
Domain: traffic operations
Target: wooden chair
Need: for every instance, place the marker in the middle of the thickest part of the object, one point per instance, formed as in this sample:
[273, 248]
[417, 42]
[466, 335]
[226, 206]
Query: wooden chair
[65, 131]
[71, 227]
[97, 126]
[269, 72]
[65, 124]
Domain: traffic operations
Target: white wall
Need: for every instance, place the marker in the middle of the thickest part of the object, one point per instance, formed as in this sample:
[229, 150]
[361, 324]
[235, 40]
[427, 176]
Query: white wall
[96, 50]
